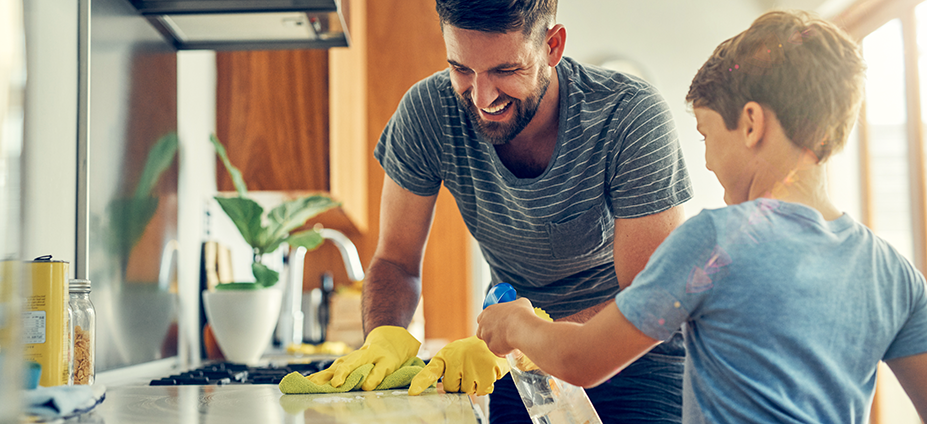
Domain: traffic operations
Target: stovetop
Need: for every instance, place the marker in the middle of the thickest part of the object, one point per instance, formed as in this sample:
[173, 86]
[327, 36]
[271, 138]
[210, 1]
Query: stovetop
[231, 373]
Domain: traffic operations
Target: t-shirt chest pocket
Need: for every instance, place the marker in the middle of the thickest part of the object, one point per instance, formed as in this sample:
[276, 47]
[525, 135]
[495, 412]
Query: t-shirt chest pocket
[580, 235]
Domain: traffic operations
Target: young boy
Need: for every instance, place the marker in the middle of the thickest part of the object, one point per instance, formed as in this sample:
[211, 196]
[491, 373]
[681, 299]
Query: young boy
[787, 304]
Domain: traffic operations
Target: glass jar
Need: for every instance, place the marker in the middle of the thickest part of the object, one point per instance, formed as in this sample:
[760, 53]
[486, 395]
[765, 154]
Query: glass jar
[70, 356]
[84, 320]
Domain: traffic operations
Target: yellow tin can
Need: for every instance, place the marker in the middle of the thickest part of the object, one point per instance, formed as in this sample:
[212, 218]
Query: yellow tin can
[46, 324]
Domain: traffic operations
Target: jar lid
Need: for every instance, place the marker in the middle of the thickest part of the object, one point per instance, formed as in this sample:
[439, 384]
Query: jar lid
[46, 259]
[79, 284]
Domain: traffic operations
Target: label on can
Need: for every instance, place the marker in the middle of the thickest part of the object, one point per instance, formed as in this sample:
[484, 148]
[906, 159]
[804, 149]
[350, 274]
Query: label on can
[46, 322]
[34, 327]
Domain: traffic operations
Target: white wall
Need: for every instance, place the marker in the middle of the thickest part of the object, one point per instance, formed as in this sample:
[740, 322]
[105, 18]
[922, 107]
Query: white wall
[670, 40]
[50, 133]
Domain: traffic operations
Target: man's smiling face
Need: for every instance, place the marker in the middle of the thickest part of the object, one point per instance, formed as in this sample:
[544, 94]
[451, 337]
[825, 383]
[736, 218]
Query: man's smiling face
[499, 78]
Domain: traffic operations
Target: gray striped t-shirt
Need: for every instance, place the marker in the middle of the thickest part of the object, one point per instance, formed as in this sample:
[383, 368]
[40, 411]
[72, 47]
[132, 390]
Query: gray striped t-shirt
[617, 156]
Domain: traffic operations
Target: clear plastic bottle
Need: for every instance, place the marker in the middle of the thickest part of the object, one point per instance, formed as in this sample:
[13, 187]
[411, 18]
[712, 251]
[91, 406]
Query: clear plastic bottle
[548, 399]
[84, 322]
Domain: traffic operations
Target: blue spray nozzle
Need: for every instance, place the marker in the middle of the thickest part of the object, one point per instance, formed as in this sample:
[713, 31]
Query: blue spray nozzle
[500, 293]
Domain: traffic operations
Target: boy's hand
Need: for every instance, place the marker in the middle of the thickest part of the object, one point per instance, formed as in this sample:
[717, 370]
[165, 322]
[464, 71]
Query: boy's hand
[497, 322]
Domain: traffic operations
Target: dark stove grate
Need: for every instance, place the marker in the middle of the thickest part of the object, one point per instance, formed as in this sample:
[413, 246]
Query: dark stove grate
[231, 373]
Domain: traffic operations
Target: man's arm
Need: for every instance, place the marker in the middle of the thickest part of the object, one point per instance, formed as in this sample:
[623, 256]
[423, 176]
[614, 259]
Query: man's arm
[391, 290]
[393, 283]
[911, 372]
[635, 241]
[637, 238]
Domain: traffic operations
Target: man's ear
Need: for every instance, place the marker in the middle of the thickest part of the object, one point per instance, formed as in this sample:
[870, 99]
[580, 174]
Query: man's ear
[753, 123]
[556, 42]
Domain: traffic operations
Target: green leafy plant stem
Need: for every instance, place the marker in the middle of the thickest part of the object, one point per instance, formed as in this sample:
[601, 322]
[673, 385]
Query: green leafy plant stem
[266, 232]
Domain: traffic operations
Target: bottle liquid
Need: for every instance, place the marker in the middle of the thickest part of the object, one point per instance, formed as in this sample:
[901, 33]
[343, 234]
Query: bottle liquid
[548, 399]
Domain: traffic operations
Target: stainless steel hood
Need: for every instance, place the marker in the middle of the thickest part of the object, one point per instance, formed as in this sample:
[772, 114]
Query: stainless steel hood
[248, 24]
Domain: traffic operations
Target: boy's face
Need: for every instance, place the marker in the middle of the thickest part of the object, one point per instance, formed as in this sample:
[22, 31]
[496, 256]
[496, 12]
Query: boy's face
[724, 154]
[499, 78]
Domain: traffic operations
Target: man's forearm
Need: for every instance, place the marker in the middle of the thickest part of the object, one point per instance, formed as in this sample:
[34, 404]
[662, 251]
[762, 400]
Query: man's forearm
[390, 295]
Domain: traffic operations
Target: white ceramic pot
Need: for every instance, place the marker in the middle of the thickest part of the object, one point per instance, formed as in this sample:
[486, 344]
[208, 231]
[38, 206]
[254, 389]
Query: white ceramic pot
[243, 321]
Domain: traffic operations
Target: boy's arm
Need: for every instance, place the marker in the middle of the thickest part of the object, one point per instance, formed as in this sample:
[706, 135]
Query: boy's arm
[911, 372]
[581, 354]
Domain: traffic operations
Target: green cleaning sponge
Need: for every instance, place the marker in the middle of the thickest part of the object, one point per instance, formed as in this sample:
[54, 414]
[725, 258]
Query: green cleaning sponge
[295, 383]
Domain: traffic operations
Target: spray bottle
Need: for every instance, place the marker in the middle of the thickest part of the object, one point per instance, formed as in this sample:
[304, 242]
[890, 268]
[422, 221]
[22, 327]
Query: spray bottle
[548, 399]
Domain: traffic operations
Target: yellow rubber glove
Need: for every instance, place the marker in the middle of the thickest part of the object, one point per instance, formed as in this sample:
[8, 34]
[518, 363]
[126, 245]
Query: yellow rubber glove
[467, 366]
[387, 348]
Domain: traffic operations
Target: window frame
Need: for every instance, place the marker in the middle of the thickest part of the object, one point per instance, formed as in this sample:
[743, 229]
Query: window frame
[859, 20]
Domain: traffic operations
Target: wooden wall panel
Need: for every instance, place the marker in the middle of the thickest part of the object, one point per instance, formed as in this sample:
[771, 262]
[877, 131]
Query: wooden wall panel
[405, 46]
[272, 116]
[349, 153]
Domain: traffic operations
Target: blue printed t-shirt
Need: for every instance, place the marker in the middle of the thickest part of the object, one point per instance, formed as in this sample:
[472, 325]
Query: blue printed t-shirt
[786, 316]
[551, 237]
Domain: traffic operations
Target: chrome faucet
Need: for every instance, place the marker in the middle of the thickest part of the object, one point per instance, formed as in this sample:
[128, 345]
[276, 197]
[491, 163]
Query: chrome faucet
[352, 261]
[292, 317]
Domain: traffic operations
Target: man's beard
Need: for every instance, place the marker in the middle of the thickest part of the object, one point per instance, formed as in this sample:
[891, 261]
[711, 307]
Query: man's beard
[499, 133]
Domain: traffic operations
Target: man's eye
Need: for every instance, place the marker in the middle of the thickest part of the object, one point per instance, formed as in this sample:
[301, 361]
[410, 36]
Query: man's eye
[505, 71]
[461, 70]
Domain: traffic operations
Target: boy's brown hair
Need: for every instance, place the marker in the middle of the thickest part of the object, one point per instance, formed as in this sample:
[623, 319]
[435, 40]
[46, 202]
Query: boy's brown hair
[808, 71]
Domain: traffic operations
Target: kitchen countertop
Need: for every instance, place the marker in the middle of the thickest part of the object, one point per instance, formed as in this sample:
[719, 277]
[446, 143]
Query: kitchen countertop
[229, 404]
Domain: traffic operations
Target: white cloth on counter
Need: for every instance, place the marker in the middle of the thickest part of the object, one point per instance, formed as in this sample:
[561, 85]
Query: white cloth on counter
[62, 401]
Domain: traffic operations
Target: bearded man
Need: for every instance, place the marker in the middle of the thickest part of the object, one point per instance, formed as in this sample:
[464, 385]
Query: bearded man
[567, 175]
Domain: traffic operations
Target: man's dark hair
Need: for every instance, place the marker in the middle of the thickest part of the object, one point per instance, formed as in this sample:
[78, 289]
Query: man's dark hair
[498, 16]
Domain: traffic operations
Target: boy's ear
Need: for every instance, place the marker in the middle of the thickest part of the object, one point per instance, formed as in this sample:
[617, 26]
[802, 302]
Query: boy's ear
[752, 123]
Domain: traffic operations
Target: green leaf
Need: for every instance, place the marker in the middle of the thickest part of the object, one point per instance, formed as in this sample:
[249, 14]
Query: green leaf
[310, 239]
[233, 171]
[246, 214]
[238, 286]
[160, 157]
[263, 275]
[128, 220]
[294, 213]
[272, 245]
[267, 241]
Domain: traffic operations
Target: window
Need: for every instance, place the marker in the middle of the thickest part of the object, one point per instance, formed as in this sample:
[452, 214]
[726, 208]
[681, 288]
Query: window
[879, 179]
[887, 147]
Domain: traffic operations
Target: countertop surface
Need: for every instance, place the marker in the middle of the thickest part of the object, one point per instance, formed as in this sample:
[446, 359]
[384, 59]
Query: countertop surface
[229, 404]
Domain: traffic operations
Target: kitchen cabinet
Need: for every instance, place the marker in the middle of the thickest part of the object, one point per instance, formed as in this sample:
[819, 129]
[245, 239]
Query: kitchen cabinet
[310, 119]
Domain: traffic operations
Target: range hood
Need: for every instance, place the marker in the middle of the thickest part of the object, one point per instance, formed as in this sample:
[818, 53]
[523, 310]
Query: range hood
[248, 24]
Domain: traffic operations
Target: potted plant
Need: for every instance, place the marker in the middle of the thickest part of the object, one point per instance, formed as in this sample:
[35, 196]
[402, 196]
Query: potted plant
[242, 315]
